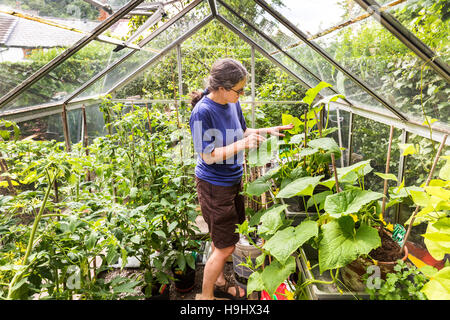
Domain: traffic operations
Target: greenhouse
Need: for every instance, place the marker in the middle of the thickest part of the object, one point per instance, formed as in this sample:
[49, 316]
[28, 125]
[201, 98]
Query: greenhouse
[237, 150]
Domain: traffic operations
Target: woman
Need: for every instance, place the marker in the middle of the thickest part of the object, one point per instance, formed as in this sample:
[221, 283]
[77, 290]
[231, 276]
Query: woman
[220, 137]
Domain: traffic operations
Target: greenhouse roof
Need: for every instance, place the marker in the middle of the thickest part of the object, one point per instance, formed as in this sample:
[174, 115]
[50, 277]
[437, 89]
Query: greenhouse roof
[288, 33]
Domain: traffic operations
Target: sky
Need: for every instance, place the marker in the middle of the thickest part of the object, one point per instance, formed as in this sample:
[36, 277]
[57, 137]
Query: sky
[312, 16]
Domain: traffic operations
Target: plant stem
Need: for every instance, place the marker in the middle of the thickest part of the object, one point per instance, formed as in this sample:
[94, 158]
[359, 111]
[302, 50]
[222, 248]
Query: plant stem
[32, 235]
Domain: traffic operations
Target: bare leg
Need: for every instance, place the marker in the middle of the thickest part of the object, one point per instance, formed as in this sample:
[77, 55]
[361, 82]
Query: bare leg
[213, 269]
[213, 272]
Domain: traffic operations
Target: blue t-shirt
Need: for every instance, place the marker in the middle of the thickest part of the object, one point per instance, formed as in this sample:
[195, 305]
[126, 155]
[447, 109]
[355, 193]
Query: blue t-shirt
[215, 125]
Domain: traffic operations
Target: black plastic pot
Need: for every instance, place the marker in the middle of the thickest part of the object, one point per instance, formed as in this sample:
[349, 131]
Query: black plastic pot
[184, 281]
[159, 292]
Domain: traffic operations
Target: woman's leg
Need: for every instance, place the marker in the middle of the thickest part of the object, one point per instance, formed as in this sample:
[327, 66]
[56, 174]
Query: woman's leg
[214, 270]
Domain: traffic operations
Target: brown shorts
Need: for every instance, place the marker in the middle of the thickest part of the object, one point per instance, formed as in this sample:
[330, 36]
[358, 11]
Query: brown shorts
[222, 208]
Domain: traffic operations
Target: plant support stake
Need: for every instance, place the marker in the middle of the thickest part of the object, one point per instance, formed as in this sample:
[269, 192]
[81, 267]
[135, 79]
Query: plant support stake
[333, 163]
[413, 217]
[388, 159]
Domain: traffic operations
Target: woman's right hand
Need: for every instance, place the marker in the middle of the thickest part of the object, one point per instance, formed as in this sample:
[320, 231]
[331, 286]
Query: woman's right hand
[253, 140]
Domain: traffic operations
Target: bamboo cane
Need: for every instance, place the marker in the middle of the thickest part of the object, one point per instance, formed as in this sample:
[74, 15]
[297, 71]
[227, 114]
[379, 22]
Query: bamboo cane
[388, 159]
[333, 163]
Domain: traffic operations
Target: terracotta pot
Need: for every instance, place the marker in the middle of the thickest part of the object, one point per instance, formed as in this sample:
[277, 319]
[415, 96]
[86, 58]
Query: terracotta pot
[352, 273]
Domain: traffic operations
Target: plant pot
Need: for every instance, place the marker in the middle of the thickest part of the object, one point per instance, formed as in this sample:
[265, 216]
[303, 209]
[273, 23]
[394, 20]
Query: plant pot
[159, 292]
[308, 257]
[243, 250]
[353, 272]
[184, 281]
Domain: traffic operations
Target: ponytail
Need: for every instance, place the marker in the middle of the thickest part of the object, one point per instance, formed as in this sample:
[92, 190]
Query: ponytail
[196, 96]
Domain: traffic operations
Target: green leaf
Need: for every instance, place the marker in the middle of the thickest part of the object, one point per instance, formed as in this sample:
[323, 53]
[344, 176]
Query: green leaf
[327, 144]
[319, 199]
[386, 176]
[302, 186]
[275, 274]
[437, 238]
[438, 288]
[307, 152]
[136, 239]
[172, 226]
[351, 173]
[255, 282]
[91, 240]
[311, 93]
[444, 173]
[288, 119]
[408, 148]
[341, 243]
[181, 261]
[285, 242]
[329, 183]
[258, 187]
[264, 153]
[272, 219]
[349, 201]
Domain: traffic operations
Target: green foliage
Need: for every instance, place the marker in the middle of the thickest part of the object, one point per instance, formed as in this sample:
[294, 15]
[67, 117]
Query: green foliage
[137, 200]
[405, 283]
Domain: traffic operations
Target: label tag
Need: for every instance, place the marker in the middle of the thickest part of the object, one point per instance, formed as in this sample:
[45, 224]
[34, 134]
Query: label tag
[399, 234]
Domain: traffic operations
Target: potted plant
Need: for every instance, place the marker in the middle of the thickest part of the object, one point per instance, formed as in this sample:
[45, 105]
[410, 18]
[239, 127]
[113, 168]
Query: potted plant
[350, 218]
[305, 152]
[178, 204]
[432, 205]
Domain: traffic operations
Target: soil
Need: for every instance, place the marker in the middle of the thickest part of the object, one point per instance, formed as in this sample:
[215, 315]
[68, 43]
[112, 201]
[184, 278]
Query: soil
[389, 250]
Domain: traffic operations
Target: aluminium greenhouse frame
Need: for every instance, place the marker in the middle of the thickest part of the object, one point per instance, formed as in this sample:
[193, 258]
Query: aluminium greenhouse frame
[391, 116]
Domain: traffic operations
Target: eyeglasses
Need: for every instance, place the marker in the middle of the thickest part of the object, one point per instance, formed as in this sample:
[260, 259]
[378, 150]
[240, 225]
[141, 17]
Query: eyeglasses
[238, 91]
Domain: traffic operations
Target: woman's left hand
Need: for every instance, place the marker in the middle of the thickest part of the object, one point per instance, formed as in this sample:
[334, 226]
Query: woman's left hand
[275, 131]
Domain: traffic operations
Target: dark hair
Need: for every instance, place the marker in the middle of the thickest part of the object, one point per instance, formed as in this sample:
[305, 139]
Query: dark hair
[224, 73]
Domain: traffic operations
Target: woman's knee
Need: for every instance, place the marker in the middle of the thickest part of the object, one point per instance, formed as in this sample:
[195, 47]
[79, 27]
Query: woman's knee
[224, 253]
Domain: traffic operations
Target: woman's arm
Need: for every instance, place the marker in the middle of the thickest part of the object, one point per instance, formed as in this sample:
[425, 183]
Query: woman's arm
[251, 141]
[274, 131]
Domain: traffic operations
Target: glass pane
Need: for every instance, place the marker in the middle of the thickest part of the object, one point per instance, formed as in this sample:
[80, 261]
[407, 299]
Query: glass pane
[155, 46]
[316, 16]
[66, 77]
[426, 20]
[159, 81]
[300, 71]
[81, 67]
[370, 141]
[121, 71]
[189, 20]
[389, 68]
[43, 128]
[95, 124]
[340, 120]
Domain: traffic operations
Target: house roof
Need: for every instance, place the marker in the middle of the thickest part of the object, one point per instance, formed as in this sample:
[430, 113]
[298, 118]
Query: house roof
[24, 33]
[7, 24]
